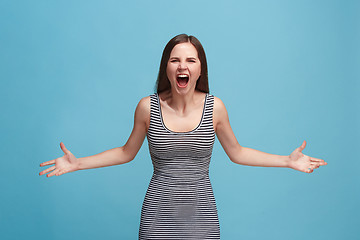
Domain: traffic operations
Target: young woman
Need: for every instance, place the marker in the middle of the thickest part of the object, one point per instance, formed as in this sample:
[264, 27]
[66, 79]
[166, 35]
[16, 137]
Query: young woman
[180, 121]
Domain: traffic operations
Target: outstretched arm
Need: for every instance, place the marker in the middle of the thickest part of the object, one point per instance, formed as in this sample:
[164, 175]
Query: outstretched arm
[251, 157]
[115, 156]
[126, 153]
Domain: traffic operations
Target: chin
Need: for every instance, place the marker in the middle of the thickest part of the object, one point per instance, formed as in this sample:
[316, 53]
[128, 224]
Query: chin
[184, 91]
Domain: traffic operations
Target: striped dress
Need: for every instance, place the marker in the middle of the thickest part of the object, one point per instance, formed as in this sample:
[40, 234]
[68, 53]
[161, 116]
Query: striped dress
[179, 202]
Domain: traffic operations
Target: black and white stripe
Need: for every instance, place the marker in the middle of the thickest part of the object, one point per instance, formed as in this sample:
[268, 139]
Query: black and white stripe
[179, 202]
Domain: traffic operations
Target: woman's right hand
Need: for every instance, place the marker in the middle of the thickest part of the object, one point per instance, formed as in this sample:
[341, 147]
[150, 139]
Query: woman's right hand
[65, 164]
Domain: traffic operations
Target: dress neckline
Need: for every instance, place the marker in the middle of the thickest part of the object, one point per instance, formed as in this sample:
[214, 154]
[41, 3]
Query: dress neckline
[171, 131]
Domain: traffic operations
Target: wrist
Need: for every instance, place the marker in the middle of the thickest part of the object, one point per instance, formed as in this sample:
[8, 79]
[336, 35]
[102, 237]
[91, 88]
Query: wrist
[79, 165]
[287, 161]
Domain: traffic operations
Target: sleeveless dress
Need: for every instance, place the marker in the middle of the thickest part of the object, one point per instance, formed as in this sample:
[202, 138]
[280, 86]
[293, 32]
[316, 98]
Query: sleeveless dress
[179, 202]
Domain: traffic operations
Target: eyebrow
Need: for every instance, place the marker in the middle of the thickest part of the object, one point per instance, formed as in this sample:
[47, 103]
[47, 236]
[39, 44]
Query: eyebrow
[193, 58]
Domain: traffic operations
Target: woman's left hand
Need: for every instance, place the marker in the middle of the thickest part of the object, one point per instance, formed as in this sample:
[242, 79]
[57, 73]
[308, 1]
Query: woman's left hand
[301, 162]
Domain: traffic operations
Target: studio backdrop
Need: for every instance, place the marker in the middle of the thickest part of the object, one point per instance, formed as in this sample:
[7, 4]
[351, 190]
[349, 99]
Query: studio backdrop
[74, 71]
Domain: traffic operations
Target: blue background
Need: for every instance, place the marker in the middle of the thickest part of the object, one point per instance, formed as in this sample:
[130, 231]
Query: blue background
[74, 71]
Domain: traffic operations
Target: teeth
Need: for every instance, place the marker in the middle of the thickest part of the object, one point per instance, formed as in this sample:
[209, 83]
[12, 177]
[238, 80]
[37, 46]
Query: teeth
[182, 75]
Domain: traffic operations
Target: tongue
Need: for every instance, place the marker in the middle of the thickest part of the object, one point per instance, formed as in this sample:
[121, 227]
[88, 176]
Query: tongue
[182, 81]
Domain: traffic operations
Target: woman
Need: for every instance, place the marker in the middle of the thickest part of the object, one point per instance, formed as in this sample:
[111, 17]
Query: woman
[180, 122]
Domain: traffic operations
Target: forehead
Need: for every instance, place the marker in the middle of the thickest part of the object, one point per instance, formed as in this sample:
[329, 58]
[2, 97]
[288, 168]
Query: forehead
[184, 49]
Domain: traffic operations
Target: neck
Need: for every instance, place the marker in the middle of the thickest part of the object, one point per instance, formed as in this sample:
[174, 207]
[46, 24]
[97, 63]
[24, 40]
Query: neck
[181, 102]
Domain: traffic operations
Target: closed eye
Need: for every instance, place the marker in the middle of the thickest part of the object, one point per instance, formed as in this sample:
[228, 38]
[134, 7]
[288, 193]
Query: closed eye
[192, 60]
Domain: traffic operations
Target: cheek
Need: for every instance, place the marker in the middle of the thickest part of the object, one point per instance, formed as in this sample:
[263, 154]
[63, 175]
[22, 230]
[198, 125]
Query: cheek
[170, 76]
[196, 70]
[170, 70]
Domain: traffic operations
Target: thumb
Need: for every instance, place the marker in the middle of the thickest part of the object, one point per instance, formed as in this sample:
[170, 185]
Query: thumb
[303, 145]
[63, 148]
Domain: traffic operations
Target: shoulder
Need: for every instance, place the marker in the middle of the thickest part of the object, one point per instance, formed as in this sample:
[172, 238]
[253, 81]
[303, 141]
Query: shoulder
[142, 111]
[219, 106]
[220, 115]
[144, 103]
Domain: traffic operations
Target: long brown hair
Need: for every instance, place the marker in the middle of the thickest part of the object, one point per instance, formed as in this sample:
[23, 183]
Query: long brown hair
[163, 82]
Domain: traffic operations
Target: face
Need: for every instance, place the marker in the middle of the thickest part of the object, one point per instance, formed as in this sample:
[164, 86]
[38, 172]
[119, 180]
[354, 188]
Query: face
[183, 68]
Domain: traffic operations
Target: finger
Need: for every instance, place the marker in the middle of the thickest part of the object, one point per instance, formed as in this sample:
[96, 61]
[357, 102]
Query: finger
[63, 148]
[53, 173]
[61, 172]
[314, 166]
[47, 163]
[319, 163]
[303, 145]
[47, 170]
[317, 160]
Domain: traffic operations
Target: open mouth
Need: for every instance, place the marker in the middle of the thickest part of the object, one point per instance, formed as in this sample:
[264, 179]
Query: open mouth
[182, 80]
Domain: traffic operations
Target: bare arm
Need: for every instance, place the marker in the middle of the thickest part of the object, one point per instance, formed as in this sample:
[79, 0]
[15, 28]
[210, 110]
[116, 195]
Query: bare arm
[251, 157]
[115, 156]
[126, 153]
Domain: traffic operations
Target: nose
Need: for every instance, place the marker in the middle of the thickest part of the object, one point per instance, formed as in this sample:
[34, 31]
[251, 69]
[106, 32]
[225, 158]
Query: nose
[182, 65]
